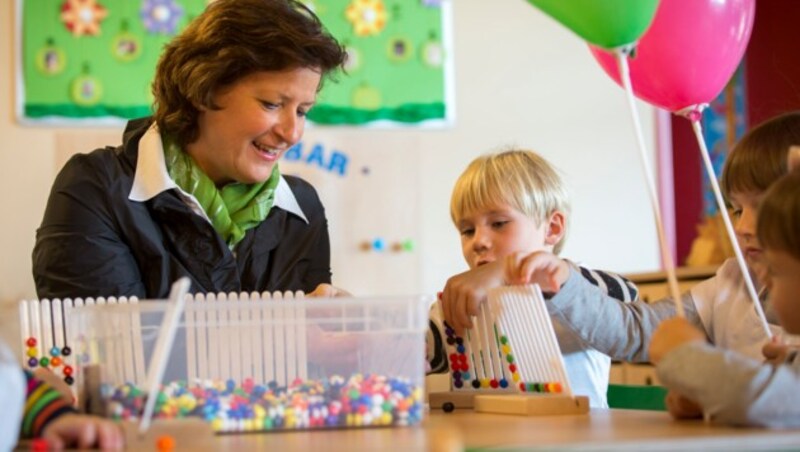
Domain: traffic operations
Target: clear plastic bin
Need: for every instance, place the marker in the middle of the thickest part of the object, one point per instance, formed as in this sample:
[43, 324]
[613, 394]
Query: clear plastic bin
[260, 363]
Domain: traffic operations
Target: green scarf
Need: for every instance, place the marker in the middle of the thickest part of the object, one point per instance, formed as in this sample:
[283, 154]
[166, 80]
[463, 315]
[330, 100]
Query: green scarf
[233, 209]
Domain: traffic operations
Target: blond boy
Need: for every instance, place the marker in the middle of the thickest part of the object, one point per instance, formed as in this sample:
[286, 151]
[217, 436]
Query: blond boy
[505, 206]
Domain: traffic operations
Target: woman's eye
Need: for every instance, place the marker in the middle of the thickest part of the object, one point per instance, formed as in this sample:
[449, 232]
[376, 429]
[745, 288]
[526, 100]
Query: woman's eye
[269, 105]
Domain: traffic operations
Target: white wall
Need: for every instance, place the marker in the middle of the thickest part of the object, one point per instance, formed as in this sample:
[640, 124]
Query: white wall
[521, 80]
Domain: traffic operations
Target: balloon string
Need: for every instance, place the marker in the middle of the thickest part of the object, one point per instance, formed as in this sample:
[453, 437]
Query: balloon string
[666, 254]
[748, 280]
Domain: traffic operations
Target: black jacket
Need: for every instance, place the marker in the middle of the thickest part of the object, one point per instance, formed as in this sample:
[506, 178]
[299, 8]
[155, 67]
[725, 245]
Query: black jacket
[94, 241]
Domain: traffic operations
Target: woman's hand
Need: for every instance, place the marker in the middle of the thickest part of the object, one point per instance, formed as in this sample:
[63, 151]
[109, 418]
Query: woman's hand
[540, 267]
[328, 291]
[671, 334]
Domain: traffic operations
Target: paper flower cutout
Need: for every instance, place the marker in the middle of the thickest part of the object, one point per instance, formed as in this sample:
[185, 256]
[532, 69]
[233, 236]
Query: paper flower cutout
[160, 16]
[367, 16]
[82, 17]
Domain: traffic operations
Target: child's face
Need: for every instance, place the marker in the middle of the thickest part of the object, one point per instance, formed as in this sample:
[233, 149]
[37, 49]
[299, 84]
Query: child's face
[784, 290]
[745, 209]
[498, 231]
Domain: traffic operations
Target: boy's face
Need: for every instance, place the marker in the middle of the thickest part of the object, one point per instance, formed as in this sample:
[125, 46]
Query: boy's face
[784, 288]
[495, 232]
[745, 209]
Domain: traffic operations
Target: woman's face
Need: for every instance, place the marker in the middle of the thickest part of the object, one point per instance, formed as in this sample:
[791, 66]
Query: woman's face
[260, 117]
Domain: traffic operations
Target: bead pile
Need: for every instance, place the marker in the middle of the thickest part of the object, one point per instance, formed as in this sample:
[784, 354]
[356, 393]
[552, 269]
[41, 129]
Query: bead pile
[359, 401]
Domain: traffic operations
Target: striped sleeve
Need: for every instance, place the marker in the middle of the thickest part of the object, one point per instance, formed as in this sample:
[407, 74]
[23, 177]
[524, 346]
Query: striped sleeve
[43, 404]
[614, 285]
[435, 352]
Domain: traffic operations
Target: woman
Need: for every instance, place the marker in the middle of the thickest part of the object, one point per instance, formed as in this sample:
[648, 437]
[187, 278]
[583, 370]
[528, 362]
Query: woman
[196, 190]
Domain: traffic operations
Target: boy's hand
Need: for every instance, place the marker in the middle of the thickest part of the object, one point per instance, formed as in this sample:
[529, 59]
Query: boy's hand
[540, 267]
[775, 351]
[680, 407]
[464, 293]
[82, 432]
[671, 334]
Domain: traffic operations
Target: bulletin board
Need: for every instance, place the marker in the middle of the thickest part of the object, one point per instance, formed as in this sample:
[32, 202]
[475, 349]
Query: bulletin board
[92, 61]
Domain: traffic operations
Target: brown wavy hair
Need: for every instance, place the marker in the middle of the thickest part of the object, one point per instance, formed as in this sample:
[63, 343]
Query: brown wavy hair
[759, 158]
[230, 40]
[779, 216]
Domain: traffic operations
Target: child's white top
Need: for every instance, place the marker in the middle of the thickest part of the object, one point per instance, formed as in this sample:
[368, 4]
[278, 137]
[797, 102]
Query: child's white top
[12, 398]
[727, 313]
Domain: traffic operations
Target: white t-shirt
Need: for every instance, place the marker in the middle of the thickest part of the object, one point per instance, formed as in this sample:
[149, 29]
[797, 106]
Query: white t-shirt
[728, 315]
[12, 398]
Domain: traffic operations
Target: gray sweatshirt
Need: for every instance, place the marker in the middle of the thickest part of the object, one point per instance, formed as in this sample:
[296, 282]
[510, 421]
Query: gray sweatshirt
[719, 306]
[734, 389]
[620, 330]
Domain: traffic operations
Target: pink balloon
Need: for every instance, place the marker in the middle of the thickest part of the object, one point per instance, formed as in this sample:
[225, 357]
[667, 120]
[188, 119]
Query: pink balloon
[688, 54]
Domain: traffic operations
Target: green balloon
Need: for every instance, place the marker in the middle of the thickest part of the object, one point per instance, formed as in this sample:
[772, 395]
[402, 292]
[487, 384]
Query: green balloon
[604, 23]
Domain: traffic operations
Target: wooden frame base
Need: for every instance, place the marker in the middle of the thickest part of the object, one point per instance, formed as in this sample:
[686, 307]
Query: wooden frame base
[531, 404]
[455, 399]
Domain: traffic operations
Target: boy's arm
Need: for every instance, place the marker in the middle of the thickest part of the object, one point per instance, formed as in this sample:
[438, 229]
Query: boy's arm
[620, 330]
[734, 389]
[43, 404]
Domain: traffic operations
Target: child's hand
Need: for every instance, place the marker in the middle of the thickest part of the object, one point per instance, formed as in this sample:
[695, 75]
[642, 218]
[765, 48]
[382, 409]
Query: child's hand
[82, 432]
[540, 267]
[464, 293]
[682, 408]
[775, 351]
[55, 382]
[671, 334]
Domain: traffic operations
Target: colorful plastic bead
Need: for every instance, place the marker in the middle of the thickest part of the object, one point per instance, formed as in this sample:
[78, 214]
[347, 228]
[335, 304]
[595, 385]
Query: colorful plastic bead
[165, 443]
[31, 342]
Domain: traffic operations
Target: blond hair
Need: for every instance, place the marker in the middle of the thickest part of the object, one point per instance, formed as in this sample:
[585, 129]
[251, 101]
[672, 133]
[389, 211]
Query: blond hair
[519, 178]
[779, 216]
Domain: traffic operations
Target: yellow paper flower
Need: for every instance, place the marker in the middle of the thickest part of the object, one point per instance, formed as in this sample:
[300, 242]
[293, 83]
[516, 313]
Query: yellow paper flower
[367, 16]
[82, 17]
